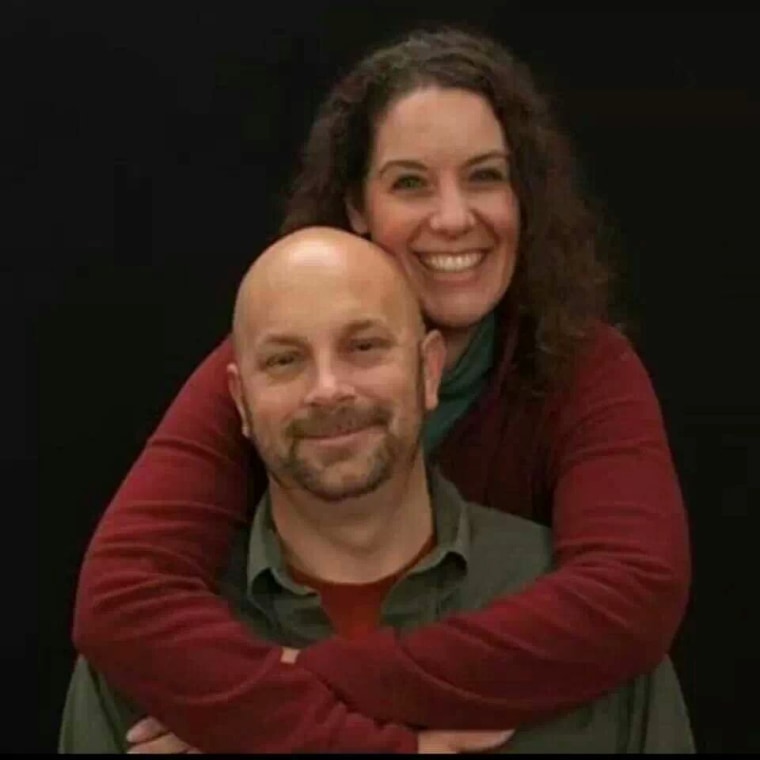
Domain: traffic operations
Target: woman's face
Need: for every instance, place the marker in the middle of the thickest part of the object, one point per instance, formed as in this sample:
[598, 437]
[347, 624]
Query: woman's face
[438, 196]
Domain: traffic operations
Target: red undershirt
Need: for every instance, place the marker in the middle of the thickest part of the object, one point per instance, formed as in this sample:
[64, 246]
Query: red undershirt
[354, 608]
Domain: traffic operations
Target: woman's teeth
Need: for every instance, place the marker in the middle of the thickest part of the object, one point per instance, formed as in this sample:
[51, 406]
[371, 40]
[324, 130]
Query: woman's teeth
[460, 262]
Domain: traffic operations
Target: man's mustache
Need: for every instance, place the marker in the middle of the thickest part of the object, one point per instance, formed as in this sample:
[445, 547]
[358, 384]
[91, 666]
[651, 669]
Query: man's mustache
[338, 421]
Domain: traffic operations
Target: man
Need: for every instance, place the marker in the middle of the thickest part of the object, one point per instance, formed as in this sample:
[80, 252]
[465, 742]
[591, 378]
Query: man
[333, 375]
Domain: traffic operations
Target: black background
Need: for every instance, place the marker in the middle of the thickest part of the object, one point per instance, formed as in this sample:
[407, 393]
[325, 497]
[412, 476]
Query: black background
[147, 147]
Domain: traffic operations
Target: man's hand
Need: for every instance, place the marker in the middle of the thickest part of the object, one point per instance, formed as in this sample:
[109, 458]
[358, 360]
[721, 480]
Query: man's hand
[454, 742]
[149, 737]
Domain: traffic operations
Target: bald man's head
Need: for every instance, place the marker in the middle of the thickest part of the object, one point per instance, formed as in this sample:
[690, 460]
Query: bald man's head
[326, 258]
[330, 345]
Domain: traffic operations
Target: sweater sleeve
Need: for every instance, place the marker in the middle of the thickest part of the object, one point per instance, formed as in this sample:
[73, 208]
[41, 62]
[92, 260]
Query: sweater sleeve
[146, 615]
[608, 612]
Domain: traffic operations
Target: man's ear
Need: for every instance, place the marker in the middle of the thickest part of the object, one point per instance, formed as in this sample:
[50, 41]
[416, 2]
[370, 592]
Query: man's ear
[433, 350]
[235, 385]
[356, 218]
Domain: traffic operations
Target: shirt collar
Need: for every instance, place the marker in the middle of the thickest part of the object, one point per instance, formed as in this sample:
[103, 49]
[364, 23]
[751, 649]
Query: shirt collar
[452, 530]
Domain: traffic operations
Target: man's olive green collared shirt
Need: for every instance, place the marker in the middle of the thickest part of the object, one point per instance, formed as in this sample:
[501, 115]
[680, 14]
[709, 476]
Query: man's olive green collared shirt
[480, 555]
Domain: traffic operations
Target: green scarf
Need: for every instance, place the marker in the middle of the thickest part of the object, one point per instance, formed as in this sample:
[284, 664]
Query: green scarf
[461, 385]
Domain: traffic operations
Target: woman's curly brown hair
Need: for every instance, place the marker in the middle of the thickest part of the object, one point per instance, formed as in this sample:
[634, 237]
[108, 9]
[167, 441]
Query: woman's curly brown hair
[560, 286]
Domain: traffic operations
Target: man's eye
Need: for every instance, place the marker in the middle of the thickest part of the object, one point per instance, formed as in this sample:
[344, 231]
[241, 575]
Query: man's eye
[367, 344]
[280, 361]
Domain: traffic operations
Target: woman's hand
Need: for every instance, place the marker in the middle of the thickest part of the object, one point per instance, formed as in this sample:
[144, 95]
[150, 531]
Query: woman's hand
[150, 737]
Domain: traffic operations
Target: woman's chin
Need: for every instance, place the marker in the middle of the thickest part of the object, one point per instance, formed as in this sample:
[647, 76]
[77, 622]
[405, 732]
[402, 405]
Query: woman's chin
[457, 317]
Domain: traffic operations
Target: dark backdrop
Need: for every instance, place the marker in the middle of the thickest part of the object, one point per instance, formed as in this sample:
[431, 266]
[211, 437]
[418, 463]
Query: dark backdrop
[147, 150]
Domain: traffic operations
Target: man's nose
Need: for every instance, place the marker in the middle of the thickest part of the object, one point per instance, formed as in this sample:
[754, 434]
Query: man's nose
[328, 384]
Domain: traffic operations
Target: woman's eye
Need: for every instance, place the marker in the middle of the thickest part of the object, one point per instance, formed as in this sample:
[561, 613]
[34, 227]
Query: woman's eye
[491, 174]
[408, 182]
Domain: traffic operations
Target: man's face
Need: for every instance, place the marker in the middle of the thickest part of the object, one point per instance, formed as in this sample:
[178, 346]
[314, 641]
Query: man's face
[332, 383]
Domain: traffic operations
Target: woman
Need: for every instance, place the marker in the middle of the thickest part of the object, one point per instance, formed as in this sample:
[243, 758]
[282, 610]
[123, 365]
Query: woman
[439, 149]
